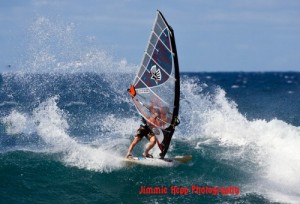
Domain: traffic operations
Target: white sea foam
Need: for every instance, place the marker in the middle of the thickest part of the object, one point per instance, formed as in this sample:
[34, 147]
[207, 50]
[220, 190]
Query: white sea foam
[15, 123]
[53, 128]
[50, 123]
[271, 147]
[53, 47]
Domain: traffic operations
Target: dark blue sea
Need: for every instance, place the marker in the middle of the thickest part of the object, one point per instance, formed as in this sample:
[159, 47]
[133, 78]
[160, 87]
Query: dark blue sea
[63, 136]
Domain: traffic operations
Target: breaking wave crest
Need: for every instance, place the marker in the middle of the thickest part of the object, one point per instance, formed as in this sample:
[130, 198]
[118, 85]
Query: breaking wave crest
[268, 150]
[50, 124]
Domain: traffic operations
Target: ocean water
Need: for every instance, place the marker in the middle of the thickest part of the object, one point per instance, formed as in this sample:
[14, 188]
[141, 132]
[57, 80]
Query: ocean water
[63, 136]
[66, 122]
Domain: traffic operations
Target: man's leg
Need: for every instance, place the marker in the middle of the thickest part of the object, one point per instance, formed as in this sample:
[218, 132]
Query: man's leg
[151, 144]
[134, 142]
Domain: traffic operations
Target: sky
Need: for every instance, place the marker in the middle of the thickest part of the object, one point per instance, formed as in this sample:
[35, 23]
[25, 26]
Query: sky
[211, 35]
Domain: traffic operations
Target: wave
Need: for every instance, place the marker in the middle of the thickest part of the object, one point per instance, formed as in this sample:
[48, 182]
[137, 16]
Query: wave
[75, 103]
[268, 150]
[8, 103]
[51, 125]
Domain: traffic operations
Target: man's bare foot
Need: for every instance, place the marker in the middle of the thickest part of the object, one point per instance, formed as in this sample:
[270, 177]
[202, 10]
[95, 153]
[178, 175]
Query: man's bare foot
[147, 155]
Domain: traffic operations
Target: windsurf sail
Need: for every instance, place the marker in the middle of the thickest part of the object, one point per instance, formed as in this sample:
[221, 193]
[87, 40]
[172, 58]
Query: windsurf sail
[156, 87]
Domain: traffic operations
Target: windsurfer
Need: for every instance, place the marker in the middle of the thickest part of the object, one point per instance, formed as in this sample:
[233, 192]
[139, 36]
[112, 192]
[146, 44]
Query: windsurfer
[144, 131]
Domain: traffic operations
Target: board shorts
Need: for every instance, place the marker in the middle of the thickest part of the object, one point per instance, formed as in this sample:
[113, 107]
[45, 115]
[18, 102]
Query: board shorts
[144, 132]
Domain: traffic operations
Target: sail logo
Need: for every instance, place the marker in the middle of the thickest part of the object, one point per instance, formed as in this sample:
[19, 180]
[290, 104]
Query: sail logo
[155, 74]
[143, 91]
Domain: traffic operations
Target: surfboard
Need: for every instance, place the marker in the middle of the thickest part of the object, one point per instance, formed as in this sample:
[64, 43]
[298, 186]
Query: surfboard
[159, 162]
